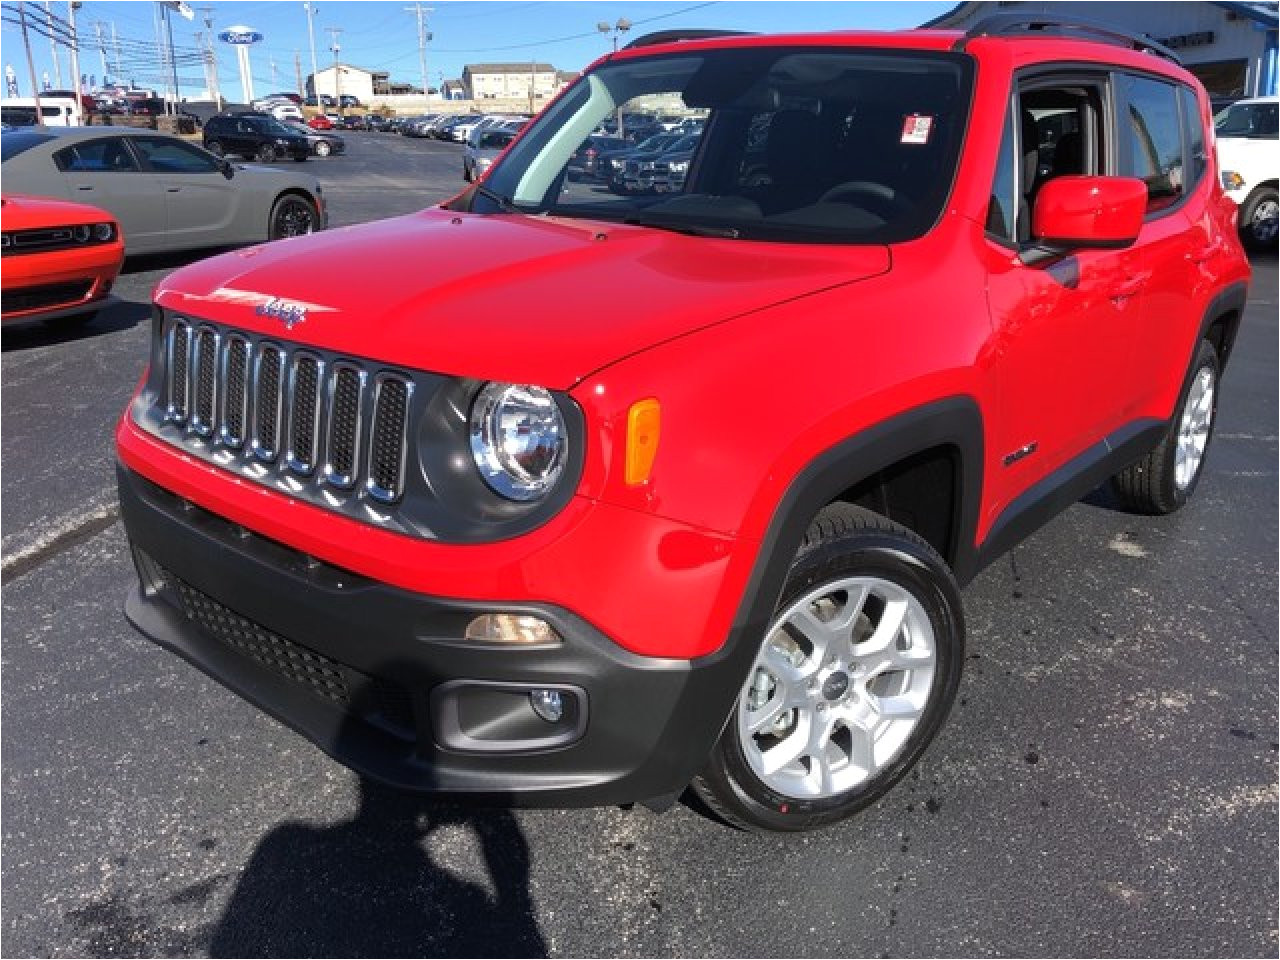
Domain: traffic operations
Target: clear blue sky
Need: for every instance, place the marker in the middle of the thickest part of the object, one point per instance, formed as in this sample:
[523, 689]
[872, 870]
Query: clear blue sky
[382, 34]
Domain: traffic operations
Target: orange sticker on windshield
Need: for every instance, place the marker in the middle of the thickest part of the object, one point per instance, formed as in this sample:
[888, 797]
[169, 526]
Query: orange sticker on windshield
[915, 128]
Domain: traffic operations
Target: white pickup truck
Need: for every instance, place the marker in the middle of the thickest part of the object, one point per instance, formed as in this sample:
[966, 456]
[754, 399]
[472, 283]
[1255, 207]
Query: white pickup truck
[1248, 135]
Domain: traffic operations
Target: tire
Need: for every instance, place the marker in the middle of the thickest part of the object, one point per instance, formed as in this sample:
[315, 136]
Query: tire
[323, 148]
[265, 153]
[216, 148]
[292, 215]
[1164, 480]
[466, 172]
[856, 574]
[1259, 224]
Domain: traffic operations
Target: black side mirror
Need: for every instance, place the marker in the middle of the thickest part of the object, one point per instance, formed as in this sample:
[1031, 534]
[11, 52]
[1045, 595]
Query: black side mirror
[227, 167]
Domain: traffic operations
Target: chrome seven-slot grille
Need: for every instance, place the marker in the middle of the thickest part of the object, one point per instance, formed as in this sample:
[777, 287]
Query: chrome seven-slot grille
[268, 403]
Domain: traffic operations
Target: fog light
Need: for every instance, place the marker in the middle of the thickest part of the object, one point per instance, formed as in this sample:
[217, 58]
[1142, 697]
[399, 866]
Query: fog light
[548, 704]
[511, 628]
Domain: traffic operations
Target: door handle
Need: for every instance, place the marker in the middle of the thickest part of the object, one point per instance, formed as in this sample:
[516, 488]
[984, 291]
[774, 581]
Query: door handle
[1130, 287]
[173, 189]
[83, 186]
[1206, 252]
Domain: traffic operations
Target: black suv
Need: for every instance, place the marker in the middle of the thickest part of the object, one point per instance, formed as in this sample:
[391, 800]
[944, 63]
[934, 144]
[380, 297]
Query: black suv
[254, 136]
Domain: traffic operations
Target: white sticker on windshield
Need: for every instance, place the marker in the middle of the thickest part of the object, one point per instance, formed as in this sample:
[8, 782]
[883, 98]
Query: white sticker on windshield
[915, 128]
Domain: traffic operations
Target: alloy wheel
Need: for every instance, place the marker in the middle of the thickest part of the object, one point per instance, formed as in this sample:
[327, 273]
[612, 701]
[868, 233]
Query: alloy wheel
[1193, 429]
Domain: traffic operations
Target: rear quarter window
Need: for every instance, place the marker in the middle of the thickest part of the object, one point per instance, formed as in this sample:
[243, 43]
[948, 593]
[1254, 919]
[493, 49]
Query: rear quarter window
[1151, 139]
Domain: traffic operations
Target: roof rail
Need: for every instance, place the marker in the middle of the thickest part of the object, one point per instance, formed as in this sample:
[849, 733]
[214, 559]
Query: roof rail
[673, 36]
[1015, 24]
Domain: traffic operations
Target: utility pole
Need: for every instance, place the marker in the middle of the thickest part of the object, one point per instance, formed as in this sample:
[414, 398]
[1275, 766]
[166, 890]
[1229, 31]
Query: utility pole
[72, 7]
[334, 33]
[115, 46]
[31, 63]
[172, 107]
[53, 48]
[102, 50]
[212, 56]
[423, 38]
[311, 35]
[297, 72]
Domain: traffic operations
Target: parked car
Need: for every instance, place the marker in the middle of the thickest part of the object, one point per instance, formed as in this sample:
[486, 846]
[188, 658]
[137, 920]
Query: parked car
[325, 99]
[320, 122]
[295, 98]
[649, 171]
[166, 194]
[1249, 157]
[254, 136]
[60, 258]
[583, 499]
[584, 163]
[352, 122]
[347, 100]
[287, 111]
[376, 121]
[483, 148]
[612, 163]
[324, 143]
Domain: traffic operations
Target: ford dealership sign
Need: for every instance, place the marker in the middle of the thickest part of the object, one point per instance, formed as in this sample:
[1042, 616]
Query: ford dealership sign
[240, 35]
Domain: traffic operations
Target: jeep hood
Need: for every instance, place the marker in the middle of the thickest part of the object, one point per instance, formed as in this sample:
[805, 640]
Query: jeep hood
[503, 297]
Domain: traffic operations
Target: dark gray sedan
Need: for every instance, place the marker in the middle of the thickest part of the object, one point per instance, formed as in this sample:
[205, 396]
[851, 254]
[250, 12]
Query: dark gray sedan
[166, 193]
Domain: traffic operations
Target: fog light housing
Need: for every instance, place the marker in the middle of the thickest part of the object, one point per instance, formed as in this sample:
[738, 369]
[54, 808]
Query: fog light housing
[548, 704]
[512, 629]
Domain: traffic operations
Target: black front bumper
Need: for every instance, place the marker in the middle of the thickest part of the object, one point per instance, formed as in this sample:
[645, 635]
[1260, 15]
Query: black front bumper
[382, 679]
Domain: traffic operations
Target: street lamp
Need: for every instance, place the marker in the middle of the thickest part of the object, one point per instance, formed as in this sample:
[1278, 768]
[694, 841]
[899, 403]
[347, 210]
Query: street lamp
[622, 26]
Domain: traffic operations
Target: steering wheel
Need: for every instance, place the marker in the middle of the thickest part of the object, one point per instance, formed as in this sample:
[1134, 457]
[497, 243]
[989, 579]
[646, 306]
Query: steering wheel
[884, 196]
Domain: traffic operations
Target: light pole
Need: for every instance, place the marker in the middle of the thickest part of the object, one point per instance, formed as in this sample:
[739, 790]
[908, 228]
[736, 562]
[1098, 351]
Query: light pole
[334, 33]
[622, 26]
[311, 35]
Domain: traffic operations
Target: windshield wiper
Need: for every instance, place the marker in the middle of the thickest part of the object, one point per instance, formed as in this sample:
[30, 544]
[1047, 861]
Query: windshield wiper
[692, 229]
[505, 204]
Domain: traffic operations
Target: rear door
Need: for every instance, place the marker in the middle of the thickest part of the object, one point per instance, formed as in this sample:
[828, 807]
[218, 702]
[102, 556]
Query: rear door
[105, 173]
[200, 202]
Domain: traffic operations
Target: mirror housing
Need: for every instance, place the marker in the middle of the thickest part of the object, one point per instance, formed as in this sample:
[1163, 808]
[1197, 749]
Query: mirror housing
[1090, 212]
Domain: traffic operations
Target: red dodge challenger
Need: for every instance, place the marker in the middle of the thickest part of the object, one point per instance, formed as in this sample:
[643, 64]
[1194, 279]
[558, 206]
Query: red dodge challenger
[59, 258]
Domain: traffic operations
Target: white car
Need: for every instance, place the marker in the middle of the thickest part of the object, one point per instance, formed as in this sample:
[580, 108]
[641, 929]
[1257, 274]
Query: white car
[1249, 158]
[287, 111]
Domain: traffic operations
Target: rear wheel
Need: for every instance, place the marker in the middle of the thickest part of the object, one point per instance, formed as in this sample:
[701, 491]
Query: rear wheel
[1164, 480]
[854, 678]
[216, 148]
[1260, 219]
[323, 149]
[265, 153]
[293, 216]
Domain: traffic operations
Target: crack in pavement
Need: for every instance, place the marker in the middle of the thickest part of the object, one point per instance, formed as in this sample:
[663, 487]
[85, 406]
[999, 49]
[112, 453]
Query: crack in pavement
[67, 533]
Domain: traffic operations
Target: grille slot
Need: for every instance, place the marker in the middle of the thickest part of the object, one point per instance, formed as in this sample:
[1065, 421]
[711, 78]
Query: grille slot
[345, 408]
[283, 657]
[179, 366]
[387, 447]
[235, 392]
[46, 295]
[267, 403]
[304, 414]
[205, 369]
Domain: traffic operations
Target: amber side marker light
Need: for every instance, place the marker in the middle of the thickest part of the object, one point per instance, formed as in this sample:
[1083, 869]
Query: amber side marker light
[644, 428]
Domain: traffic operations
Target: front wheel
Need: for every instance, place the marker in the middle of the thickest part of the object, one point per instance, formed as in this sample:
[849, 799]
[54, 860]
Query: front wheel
[1163, 480]
[323, 149]
[1260, 219]
[856, 674]
[292, 216]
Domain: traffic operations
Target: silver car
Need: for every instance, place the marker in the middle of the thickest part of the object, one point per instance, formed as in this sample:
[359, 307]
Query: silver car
[166, 193]
[483, 148]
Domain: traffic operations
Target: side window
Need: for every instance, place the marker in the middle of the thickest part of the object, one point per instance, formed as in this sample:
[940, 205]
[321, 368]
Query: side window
[1151, 140]
[173, 156]
[1197, 156]
[1059, 133]
[108, 155]
[1002, 211]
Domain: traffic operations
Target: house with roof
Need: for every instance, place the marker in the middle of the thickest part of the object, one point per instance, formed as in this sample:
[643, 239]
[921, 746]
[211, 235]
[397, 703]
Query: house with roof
[509, 81]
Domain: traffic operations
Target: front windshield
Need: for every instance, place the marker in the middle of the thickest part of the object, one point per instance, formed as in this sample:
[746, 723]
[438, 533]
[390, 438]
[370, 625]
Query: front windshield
[783, 143]
[1249, 120]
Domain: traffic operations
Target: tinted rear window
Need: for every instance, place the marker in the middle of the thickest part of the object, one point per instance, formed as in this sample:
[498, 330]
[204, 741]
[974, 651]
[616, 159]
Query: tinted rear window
[15, 142]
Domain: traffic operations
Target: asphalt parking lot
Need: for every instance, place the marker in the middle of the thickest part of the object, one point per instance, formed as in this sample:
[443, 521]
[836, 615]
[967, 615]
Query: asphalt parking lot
[1106, 785]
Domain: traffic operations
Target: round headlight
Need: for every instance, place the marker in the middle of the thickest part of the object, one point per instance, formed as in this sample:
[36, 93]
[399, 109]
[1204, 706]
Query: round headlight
[102, 232]
[82, 234]
[518, 440]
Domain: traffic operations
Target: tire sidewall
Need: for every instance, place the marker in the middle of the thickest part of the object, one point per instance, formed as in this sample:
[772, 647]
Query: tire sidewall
[1206, 357]
[1257, 199]
[275, 212]
[867, 554]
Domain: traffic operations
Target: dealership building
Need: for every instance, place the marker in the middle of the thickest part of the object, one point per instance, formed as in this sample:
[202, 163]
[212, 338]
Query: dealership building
[1230, 47]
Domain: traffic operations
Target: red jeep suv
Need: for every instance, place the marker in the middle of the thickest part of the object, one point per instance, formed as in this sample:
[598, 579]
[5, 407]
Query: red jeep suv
[475, 536]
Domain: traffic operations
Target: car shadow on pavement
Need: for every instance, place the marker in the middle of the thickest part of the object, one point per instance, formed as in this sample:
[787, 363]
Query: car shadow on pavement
[373, 886]
[114, 317]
